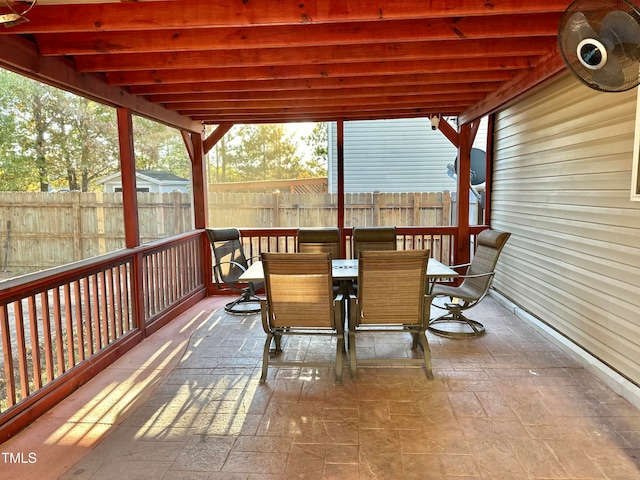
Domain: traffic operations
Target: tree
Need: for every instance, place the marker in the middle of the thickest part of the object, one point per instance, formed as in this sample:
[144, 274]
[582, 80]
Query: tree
[260, 152]
[158, 147]
[318, 142]
[54, 139]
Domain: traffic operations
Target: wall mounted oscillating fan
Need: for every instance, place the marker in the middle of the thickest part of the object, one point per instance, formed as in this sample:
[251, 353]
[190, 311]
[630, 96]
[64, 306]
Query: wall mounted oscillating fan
[600, 42]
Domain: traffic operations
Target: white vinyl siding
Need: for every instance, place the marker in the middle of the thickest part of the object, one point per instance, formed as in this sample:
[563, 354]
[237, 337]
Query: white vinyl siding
[561, 180]
[395, 156]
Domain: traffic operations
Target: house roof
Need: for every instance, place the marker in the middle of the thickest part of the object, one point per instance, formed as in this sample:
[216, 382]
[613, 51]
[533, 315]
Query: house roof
[152, 176]
[193, 61]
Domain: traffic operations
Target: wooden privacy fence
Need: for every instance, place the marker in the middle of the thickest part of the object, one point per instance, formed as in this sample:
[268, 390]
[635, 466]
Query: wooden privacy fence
[287, 210]
[40, 230]
[44, 230]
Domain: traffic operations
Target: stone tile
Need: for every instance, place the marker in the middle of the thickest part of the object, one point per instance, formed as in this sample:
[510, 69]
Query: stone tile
[505, 406]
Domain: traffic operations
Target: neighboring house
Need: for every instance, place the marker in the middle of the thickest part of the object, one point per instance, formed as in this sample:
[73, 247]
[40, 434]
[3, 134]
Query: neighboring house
[148, 181]
[404, 155]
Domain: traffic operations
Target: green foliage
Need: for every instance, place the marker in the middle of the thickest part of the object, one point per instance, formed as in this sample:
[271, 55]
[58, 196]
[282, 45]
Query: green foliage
[158, 147]
[262, 152]
[51, 140]
[318, 142]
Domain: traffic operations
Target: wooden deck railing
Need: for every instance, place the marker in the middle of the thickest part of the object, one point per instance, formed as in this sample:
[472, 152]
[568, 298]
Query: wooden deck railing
[61, 326]
[440, 240]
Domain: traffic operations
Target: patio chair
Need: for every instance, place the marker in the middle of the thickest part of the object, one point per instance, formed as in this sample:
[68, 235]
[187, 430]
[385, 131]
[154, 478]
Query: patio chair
[319, 240]
[474, 287]
[300, 301]
[229, 263]
[373, 238]
[391, 298]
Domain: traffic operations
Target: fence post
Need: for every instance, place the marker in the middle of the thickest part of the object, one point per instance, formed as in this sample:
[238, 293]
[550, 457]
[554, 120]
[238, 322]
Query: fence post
[376, 209]
[276, 209]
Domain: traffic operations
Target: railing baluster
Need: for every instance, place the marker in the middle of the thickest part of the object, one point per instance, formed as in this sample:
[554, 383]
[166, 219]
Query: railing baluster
[79, 324]
[9, 378]
[22, 351]
[68, 313]
[35, 343]
[46, 336]
[87, 316]
[59, 333]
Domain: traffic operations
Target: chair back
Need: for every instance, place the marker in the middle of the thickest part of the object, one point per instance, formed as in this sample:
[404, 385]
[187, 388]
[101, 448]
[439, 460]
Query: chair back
[392, 286]
[373, 238]
[230, 261]
[490, 244]
[319, 240]
[299, 290]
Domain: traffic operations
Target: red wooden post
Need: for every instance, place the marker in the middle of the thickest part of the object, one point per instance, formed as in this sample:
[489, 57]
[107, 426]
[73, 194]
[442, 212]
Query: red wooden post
[130, 205]
[462, 253]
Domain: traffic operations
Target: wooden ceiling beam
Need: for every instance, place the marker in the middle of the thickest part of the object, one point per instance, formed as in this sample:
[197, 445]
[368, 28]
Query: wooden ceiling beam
[156, 77]
[354, 103]
[301, 35]
[323, 83]
[413, 51]
[549, 66]
[302, 94]
[311, 84]
[322, 117]
[338, 110]
[186, 14]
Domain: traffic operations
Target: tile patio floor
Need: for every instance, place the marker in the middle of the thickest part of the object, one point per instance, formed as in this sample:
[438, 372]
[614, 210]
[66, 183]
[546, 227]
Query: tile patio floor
[187, 405]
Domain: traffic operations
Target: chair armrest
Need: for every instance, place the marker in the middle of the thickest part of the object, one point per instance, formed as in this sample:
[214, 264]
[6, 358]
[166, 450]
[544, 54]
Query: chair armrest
[253, 259]
[460, 265]
[477, 275]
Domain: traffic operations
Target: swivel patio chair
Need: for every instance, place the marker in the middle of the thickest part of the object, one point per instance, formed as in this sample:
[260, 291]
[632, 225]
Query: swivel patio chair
[392, 298]
[373, 238]
[230, 263]
[300, 301]
[474, 287]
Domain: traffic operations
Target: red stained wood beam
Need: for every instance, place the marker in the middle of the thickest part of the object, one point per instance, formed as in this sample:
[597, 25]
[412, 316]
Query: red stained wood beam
[302, 94]
[216, 136]
[298, 35]
[549, 66]
[309, 84]
[202, 13]
[334, 54]
[321, 71]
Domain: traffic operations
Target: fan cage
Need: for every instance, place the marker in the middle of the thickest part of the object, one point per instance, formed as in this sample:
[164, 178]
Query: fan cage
[627, 55]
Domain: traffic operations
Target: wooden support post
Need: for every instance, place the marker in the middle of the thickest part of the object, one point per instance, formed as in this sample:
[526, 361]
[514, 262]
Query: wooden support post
[340, 150]
[130, 206]
[463, 174]
[128, 173]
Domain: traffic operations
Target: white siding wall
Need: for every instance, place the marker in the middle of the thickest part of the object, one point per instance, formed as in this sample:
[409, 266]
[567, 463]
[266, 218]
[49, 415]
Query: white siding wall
[395, 156]
[562, 175]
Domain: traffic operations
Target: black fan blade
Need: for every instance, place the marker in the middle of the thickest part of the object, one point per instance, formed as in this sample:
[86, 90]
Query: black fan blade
[610, 76]
[619, 27]
[576, 30]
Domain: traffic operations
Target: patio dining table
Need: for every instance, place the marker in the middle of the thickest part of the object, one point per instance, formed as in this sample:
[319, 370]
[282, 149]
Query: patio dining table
[347, 269]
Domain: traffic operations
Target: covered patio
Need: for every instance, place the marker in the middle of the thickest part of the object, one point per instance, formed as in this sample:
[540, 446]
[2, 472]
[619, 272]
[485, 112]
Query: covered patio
[172, 383]
[186, 404]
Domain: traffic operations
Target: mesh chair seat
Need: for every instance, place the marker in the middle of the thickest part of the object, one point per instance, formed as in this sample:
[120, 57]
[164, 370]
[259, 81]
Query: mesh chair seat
[300, 301]
[391, 298]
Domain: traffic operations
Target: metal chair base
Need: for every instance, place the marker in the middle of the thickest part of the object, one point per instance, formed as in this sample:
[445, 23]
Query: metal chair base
[247, 304]
[475, 329]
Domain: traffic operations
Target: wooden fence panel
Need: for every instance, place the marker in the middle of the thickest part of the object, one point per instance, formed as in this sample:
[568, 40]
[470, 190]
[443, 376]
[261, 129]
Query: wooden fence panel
[43, 230]
[40, 230]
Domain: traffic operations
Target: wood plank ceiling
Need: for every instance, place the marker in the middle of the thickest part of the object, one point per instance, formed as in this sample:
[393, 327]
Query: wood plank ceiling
[255, 61]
